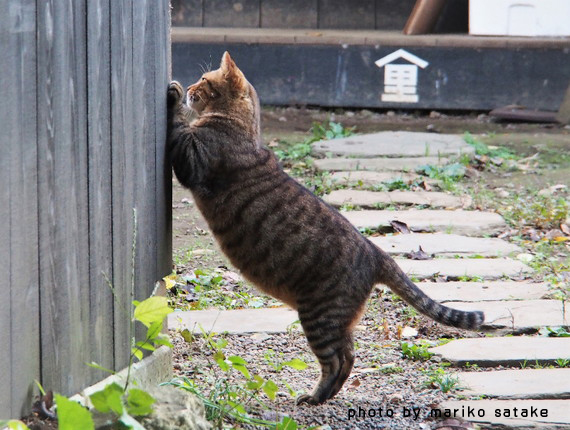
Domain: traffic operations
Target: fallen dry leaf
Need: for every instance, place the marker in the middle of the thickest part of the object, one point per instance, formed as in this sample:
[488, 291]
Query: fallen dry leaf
[400, 227]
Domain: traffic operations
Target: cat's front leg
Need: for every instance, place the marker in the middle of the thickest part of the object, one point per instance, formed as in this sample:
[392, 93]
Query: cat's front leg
[175, 94]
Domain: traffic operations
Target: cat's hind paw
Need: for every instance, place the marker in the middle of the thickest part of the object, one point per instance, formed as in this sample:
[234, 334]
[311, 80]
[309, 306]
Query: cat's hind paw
[175, 93]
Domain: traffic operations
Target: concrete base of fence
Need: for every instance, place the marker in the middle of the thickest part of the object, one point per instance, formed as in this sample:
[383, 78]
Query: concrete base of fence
[151, 371]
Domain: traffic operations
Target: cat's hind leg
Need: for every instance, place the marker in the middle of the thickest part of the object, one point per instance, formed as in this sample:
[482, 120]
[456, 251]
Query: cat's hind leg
[331, 341]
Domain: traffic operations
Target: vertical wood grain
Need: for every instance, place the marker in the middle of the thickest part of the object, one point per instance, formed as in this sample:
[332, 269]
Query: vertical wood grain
[163, 204]
[63, 198]
[19, 316]
[144, 158]
[122, 170]
[100, 192]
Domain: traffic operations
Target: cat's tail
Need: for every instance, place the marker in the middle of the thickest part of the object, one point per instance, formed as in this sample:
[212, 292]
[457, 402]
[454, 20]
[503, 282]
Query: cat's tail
[394, 277]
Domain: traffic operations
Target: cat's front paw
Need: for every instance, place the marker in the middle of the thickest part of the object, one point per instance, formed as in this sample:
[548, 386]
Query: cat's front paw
[175, 93]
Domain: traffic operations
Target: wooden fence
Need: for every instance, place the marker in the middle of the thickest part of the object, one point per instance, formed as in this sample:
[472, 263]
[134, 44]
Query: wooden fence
[82, 144]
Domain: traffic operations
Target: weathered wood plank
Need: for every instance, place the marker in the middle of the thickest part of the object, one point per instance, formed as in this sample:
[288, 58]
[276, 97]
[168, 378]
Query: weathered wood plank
[100, 194]
[290, 14]
[123, 168]
[5, 252]
[145, 155]
[163, 202]
[231, 13]
[356, 14]
[21, 132]
[62, 149]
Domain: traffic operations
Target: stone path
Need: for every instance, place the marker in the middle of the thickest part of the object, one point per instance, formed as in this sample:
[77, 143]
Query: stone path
[445, 244]
[404, 164]
[395, 144]
[484, 291]
[370, 199]
[271, 320]
[370, 179]
[469, 223]
[518, 384]
[504, 351]
[455, 268]
[512, 414]
[513, 305]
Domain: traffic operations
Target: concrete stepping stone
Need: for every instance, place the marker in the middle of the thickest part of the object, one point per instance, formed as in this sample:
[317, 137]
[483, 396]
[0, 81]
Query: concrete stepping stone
[405, 164]
[468, 223]
[395, 144]
[521, 316]
[517, 384]
[513, 414]
[370, 179]
[369, 199]
[445, 244]
[486, 268]
[504, 351]
[240, 321]
[483, 291]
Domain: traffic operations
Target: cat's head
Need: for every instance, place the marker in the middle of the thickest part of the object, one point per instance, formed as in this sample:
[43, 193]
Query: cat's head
[225, 90]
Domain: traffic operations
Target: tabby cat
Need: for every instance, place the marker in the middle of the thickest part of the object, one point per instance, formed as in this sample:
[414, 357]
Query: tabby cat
[281, 237]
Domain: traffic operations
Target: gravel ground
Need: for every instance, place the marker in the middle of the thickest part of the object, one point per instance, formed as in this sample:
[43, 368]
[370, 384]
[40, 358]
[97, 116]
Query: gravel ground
[382, 383]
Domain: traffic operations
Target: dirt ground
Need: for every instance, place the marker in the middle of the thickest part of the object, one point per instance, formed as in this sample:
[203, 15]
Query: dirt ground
[377, 343]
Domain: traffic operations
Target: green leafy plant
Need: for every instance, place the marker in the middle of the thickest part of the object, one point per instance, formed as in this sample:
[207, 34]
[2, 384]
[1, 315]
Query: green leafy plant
[236, 387]
[277, 363]
[557, 332]
[533, 209]
[13, 425]
[491, 152]
[445, 382]
[415, 352]
[563, 362]
[301, 151]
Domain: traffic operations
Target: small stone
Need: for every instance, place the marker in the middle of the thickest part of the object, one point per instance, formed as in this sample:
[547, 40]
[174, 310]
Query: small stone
[349, 114]
[408, 332]
[282, 119]
[501, 192]
[525, 258]
[390, 113]
[396, 398]
[434, 114]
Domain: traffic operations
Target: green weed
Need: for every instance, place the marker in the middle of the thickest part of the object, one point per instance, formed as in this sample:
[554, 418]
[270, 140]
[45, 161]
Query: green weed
[415, 352]
[445, 382]
[533, 209]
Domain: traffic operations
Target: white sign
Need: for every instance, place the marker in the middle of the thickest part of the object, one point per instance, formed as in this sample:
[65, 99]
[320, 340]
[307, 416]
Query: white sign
[401, 80]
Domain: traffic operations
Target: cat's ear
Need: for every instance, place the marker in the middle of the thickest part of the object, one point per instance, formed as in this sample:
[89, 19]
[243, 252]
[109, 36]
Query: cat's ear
[231, 71]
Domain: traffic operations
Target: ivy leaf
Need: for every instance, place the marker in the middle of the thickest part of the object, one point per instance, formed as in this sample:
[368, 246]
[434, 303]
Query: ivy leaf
[287, 423]
[220, 358]
[108, 399]
[71, 415]
[256, 383]
[152, 310]
[270, 389]
[296, 364]
[187, 335]
[154, 330]
[139, 402]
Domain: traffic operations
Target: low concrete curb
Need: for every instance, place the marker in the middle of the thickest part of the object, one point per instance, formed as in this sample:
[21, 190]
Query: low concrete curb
[150, 371]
